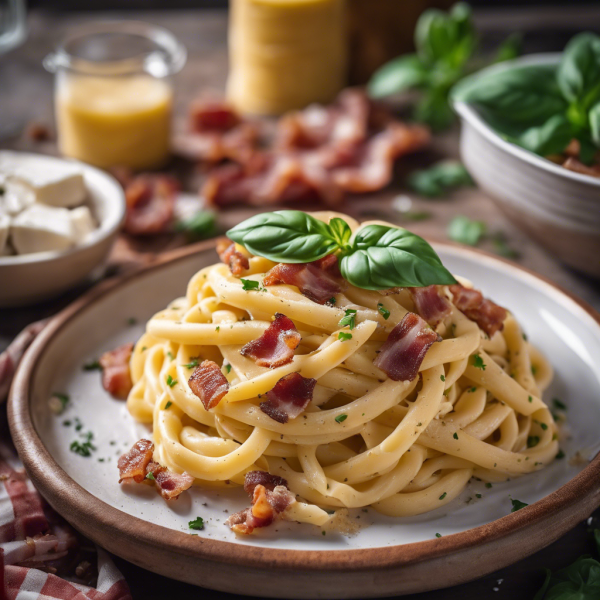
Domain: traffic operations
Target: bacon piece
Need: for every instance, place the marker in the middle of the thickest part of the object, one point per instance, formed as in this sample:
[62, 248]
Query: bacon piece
[132, 464]
[270, 497]
[488, 315]
[275, 347]
[136, 464]
[150, 202]
[289, 397]
[430, 304]
[212, 116]
[169, 484]
[401, 355]
[374, 161]
[116, 377]
[573, 164]
[315, 280]
[209, 383]
[237, 262]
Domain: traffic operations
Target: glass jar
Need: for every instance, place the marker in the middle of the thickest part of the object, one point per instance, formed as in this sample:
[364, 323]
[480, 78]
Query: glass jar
[113, 93]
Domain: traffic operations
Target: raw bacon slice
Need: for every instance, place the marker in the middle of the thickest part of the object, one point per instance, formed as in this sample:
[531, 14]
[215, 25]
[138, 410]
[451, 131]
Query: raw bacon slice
[270, 497]
[401, 355]
[116, 377]
[315, 282]
[289, 397]
[150, 202]
[237, 262]
[488, 315]
[209, 383]
[169, 484]
[132, 464]
[430, 304]
[275, 347]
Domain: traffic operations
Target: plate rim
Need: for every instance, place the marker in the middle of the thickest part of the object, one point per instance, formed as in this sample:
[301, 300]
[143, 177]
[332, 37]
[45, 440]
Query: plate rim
[581, 493]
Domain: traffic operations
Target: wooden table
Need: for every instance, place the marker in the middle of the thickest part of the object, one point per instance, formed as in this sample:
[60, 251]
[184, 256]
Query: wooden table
[26, 95]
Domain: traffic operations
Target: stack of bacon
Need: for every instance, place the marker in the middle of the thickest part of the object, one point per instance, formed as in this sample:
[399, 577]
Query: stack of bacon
[318, 154]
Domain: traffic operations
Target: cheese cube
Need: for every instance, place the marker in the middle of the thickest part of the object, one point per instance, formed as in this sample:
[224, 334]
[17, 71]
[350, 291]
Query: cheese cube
[82, 222]
[4, 228]
[41, 228]
[15, 198]
[54, 183]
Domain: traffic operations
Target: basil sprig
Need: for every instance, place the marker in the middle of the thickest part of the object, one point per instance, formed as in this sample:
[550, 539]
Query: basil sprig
[543, 107]
[377, 257]
[446, 44]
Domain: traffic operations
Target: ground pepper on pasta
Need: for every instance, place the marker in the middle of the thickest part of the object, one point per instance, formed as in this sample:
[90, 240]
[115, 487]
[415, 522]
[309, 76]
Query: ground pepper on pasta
[363, 439]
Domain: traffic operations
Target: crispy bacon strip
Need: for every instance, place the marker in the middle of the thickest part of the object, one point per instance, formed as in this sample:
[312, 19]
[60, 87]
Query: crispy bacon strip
[275, 347]
[317, 280]
[430, 304]
[488, 315]
[270, 497]
[289, 397]
[150, 201]
[137, 465]
[574, 164]
[132, 464]
[237, 262]
[402, 353]
[116, 377]
[169, 484]
[208, 115]
[209, 383]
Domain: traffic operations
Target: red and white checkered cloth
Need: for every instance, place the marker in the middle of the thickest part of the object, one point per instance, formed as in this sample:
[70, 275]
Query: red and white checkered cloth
[35, 543]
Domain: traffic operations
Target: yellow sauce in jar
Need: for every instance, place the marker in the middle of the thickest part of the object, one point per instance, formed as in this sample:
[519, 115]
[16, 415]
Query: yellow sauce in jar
[285, 54]
[114, 121]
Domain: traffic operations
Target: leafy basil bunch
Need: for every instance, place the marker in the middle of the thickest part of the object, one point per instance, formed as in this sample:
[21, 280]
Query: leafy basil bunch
[578, 581]
[377, 257]
[445, 44]
[543, 107]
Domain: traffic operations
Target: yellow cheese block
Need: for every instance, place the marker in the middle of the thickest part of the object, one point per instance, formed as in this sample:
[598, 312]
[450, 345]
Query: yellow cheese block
[285, 54]
[114, 121]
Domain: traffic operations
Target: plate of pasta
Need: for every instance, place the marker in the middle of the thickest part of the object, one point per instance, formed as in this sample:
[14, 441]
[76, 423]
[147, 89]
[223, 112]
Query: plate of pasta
[315, 407]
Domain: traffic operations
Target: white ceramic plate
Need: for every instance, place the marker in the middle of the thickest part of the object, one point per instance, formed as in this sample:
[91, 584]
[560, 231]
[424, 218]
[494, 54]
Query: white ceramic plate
[566, 333]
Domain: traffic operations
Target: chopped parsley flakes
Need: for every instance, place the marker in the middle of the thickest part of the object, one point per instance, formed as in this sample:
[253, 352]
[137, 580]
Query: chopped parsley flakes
[168, 405]
[94, 365]
[197, 523]
[383, 311]
[344, 336]
[443, 496]
[478, 362]
[192, 365]
[150, 476]
[558, 404]
[349, 319]
[517, 505]
[455, 436]
[341, 418]
[249, 285]
[170, 381]
[532, 441]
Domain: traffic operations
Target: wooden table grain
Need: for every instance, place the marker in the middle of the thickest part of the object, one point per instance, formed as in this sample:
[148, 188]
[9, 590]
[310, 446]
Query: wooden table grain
[26, 92]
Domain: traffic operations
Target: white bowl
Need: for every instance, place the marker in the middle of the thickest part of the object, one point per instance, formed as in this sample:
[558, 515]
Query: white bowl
[559, 208]
[28, 278]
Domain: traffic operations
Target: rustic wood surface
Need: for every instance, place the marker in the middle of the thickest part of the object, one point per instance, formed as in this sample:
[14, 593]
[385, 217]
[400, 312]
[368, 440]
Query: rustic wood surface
[26, 96]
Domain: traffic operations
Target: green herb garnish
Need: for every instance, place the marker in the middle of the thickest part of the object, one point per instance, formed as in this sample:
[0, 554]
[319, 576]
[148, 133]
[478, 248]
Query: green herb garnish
[559, 404]
[228, 368]
[532, 441]
[341, 418]
[439, 178]
[455, 436]
[443, 496]
[192, 365]
[349, 319]
[170, 381]
[92, 366]
[168, 405]
[150, 476]
[464, 230]
[199, 226]
[517, 505]
[376, 257]
[344, 337]
[478, 362]
[383, 311]
[197, 523]
[248, 285]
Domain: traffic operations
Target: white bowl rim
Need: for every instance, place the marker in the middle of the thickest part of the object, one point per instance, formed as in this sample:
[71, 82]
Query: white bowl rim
[106, 229]
[470, 114]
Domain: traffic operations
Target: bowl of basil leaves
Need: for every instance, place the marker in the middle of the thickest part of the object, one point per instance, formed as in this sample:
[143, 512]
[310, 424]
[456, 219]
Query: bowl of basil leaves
[530, 137]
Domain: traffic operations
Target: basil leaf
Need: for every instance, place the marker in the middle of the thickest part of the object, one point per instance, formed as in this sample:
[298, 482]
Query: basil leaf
[385, 257]
[550, 138]
[594, 118]
[290, 236]
[340, 231]
[464, 230]
[433, 109]
[439, 178]
[200, 225]
[510, 48]
[520, 96]
[400, 74]
[579, 70]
